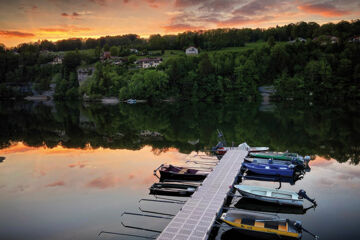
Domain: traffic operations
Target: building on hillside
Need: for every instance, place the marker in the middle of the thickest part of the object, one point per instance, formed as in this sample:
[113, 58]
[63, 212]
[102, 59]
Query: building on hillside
[326, 39]
[105, 56]
[57, 60]
[355, 39]
[133, 50]
[299, 39]
[148, 62]
[192, 51]
[117, 60]
[84, 73]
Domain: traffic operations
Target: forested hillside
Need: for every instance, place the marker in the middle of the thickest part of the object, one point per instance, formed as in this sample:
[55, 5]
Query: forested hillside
[320, 62]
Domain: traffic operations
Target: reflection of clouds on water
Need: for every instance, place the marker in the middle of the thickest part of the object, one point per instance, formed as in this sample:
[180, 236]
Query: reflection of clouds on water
[330, 172]
[56, 184]
[320, 161]
[78, 164]
[326, 182]
[103, 182]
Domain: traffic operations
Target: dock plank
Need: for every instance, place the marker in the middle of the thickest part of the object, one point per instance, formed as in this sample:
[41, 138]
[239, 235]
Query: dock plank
[195, 219]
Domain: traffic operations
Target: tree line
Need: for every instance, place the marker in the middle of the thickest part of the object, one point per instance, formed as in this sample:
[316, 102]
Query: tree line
[314, 69]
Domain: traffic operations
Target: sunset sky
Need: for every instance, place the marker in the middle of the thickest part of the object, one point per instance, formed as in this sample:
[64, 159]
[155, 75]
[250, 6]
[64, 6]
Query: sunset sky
[26, 21]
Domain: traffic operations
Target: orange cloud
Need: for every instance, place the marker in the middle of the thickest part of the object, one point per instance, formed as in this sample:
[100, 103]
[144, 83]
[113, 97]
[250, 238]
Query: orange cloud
[239, 20]
[54, 29]
[323, 9]
[181, 28]
[73, 15]
[56, 184]
[7, 33]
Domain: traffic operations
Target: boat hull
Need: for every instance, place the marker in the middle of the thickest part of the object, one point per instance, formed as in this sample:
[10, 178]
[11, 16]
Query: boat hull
[177, 176]
[278, 201]
[180, 193]
[256, 235]
[260, 206]
[269, 169]
[261, 231]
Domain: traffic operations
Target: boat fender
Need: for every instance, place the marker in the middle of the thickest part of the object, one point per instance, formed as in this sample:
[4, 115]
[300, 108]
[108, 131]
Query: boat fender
[302, 194]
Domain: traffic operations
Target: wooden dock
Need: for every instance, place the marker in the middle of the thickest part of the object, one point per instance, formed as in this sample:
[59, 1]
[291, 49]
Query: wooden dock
[196, 218]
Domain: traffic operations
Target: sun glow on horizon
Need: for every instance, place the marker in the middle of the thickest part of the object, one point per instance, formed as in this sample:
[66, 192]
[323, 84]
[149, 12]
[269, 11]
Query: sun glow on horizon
[30, 21]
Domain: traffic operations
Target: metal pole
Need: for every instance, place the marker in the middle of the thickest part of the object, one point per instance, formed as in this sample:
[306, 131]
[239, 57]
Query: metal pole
[143, 215]
[125, 234]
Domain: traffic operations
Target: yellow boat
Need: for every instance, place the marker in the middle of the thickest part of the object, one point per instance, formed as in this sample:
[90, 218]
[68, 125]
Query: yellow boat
[262, 226]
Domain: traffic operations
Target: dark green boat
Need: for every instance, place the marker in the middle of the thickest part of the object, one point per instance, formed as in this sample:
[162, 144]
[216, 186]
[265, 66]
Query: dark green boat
[279, 156]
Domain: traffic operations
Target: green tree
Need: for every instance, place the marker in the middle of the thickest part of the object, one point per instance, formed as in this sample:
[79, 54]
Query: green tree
[271, 41]
[114, 51]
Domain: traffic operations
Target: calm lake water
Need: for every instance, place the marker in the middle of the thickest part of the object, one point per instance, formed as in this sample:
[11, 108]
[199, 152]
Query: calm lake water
[71, 169]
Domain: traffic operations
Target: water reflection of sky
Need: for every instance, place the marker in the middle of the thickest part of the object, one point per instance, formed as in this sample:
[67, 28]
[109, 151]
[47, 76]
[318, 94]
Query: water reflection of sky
[62, 193]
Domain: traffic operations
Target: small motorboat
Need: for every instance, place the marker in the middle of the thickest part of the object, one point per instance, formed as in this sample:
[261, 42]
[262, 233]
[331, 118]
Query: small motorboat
[180, 173]
[260, 206]
[131, 101]
[2, 159]
[262, 226]
[267, 178]
[283, 162]
[281, 156]
[219, 149]
[269, 169]
[172, 189]
[275, 196]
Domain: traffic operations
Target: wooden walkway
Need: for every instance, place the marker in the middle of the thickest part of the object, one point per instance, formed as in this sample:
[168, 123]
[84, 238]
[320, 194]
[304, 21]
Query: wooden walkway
[194, 221]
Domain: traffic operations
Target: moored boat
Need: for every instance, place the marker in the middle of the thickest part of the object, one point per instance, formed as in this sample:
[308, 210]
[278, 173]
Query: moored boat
[265, 161]
[270, 169]
[281, 156]
[260, 206]
[262, 225]
[181, 173]
[172, 189]
[275, 196]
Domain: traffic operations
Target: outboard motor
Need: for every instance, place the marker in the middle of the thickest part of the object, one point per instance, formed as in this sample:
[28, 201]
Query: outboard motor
[302, 194]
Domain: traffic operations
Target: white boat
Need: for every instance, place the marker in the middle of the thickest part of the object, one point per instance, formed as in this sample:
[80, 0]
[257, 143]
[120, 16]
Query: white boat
[276, 196]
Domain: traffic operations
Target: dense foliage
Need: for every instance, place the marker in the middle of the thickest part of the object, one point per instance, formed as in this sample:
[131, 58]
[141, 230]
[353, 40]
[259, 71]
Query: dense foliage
[317, 67]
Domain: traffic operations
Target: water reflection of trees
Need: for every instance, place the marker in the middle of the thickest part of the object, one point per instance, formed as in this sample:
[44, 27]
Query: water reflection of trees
[332, 132]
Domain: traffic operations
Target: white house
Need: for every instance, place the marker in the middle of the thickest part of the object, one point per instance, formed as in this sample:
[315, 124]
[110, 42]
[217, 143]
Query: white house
[133, 50]
[148, 62]
[191, 51]
[299, 39]
[57, 60]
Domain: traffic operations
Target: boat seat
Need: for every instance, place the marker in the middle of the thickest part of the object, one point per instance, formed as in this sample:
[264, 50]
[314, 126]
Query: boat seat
[183, 171]
[238, 220]
[259, 224]
[282, 227]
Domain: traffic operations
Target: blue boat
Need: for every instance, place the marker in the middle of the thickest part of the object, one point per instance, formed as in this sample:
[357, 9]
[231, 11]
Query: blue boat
[270, 169]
